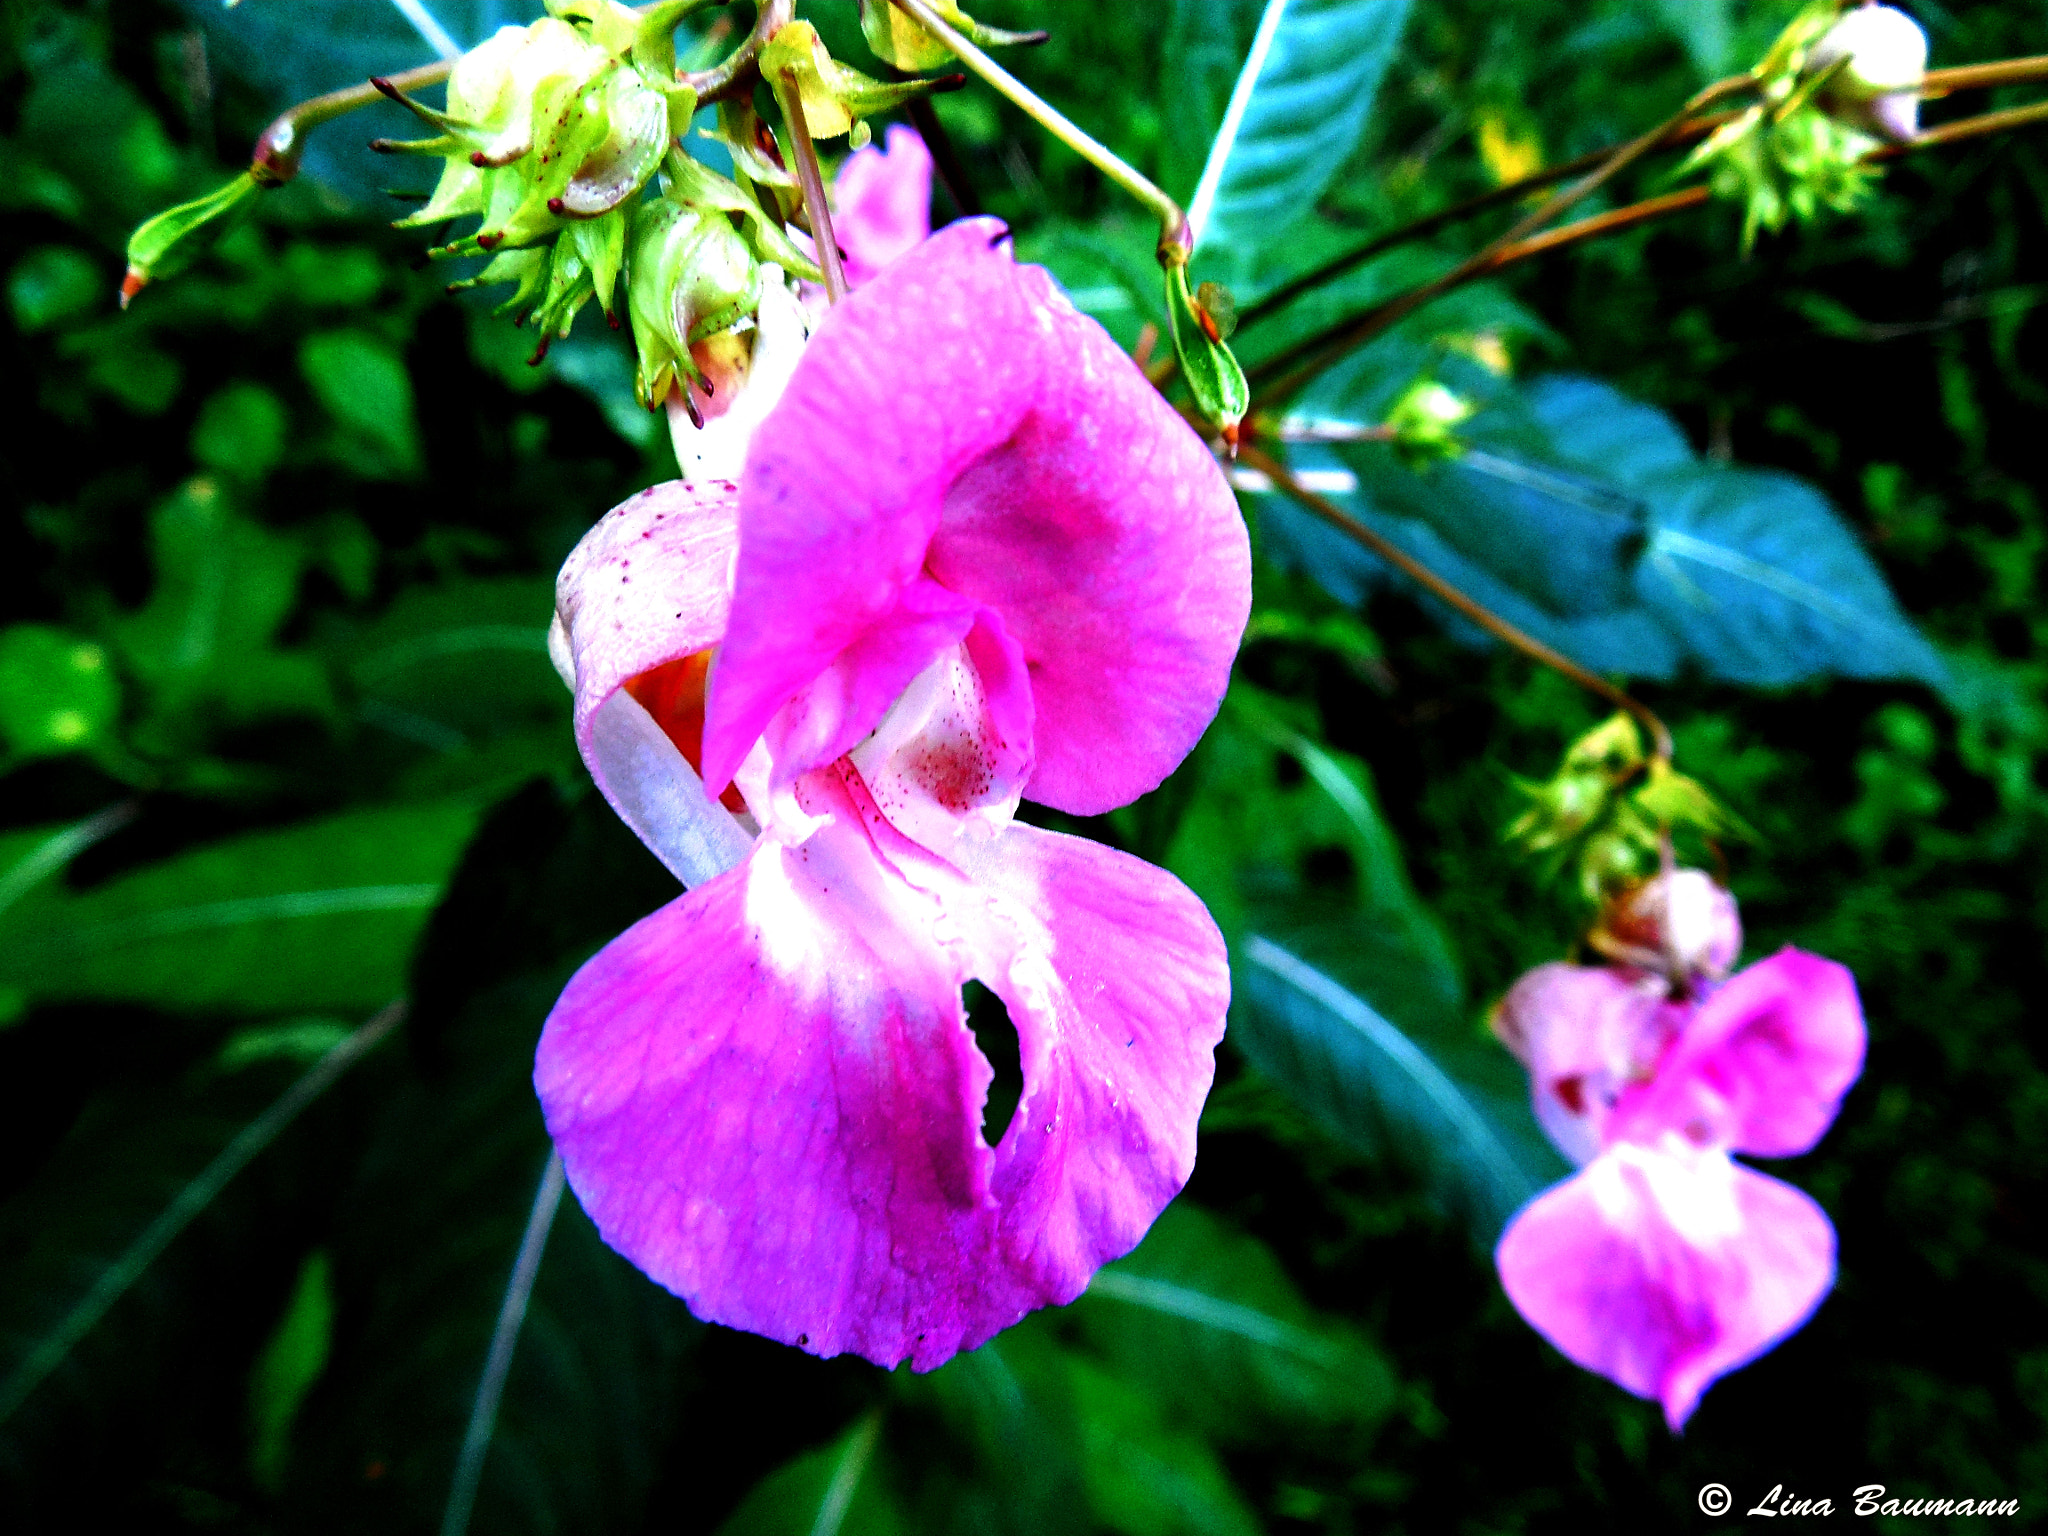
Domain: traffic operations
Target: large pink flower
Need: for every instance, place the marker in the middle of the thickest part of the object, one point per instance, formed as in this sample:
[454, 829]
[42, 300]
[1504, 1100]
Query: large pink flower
[1664, 1264]
[973, 557]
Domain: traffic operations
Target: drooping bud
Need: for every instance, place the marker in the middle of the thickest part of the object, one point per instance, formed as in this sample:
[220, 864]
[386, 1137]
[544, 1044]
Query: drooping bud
[1206, 362]
[690, 276]
[1683, 924]
[1878, 59]
[176, 237]
[896, 37]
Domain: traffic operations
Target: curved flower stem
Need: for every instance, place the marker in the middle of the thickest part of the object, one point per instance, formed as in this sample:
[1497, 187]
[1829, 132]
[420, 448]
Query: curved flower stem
[811, 181]
[1172, 219]
[737, 72]
[275, 159]
[1660, 736]
[1298, 364]
[279, 148]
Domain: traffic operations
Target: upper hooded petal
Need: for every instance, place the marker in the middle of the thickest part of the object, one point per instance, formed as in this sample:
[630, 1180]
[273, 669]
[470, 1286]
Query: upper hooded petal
[1762, 1066]
[767, 1097]
[650, 583]
[1664, 1269]
[1586, 1033]
[956, 423]
[882, 203]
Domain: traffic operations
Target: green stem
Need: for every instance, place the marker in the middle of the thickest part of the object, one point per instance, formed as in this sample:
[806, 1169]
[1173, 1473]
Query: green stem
[1172, 220]
[811, 181]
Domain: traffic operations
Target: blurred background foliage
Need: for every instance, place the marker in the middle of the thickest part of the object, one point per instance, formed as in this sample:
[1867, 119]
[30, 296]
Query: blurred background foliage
[280, 743]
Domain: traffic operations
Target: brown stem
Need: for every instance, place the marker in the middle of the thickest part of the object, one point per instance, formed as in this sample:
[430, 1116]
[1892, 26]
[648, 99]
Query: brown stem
[1660, 736]
[1423, 228]
[279, 148]
[1300, 363]
[1965, 128]
[1971, 77]
[1316, 353]
[811, 181]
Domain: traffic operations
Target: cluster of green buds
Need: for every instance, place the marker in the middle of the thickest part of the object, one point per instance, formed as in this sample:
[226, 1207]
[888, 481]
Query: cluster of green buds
[1831, 88]
[1611, 810]
[550, 134]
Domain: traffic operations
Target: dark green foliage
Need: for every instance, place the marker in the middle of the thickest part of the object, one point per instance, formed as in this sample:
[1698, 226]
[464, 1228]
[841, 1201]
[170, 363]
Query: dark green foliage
[280, 740]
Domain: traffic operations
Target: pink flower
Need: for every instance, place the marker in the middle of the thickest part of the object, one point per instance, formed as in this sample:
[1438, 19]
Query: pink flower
[1664, 1264]
[973, 557]
[882, 203]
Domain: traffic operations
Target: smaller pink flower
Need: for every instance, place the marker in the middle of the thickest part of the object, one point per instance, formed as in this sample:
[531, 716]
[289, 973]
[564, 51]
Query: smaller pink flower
[882, 203]
[1664, 1264]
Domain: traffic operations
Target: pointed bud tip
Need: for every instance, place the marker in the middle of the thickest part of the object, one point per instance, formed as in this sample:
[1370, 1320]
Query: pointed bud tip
[132, 283]
[385, 88]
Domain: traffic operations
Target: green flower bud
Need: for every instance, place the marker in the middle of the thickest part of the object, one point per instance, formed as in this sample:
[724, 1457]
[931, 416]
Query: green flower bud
[176, 237]
[897, 38]
[690, 275]
[1213, 375]
[1424, 423]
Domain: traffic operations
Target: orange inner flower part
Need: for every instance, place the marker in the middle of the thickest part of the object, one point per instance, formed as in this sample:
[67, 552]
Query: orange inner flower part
[673, 693]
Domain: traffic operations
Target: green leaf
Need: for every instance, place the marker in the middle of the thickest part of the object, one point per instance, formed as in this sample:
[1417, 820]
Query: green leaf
[57, 691]
[832, 1491]
[206, 638]
[361, 380]
[316, 917]
[52, 284]
[1204, 1321]
[291, 1363]
[1145, 1477]
[241, 432]
[1456, 1111]
[1301, 103]
[1585, 518]
[70, 1239]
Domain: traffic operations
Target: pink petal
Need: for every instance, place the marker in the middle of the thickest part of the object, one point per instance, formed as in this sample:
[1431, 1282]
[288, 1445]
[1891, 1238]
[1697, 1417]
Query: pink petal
[1762, 1066]
[650, 583]
[882, 203]
[956, 423]
[767, 1097]
[1585, 1032]
[1663, 1270]
[1117, 982]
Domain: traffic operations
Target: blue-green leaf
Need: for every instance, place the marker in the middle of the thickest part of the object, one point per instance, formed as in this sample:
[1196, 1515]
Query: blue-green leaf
[1300, 104]
[1204, 1319]
[1454, 1111]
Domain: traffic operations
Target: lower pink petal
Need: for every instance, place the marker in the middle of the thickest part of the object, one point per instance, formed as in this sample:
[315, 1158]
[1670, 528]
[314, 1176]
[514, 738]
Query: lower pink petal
[1762, 1066]
[1117, 982]
[767, 1097]
[1664, 1269]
